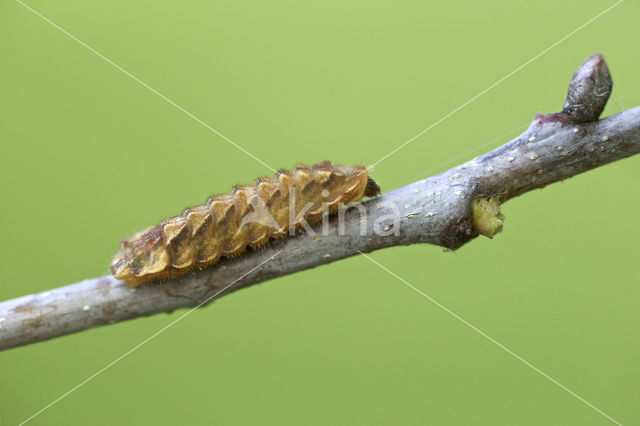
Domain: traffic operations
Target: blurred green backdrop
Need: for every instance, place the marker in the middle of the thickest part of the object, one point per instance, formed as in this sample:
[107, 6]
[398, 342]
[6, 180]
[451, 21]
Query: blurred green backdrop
[90, 156]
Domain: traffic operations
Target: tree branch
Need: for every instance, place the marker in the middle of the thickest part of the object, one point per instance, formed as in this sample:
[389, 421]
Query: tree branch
[437, 210]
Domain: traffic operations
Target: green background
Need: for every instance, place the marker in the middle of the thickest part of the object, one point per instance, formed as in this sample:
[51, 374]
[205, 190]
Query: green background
[89, 156]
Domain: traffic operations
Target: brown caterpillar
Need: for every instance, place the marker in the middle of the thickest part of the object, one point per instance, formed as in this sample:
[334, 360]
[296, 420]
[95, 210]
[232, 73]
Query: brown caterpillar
[249, 216]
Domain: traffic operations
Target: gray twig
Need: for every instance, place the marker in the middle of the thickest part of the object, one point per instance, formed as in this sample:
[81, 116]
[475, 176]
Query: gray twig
[437, 210]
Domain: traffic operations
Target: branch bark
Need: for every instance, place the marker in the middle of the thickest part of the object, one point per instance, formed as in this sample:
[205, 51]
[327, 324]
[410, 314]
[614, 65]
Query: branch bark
[436, 210]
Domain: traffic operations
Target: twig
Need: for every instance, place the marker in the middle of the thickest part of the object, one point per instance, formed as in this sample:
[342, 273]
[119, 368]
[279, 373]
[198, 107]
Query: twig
[437, 210]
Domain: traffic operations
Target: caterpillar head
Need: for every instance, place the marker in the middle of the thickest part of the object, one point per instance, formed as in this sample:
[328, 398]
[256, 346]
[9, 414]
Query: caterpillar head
[372, 188]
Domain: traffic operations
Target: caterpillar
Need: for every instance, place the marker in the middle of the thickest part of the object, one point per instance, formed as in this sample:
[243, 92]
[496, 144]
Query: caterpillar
[251, 215]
